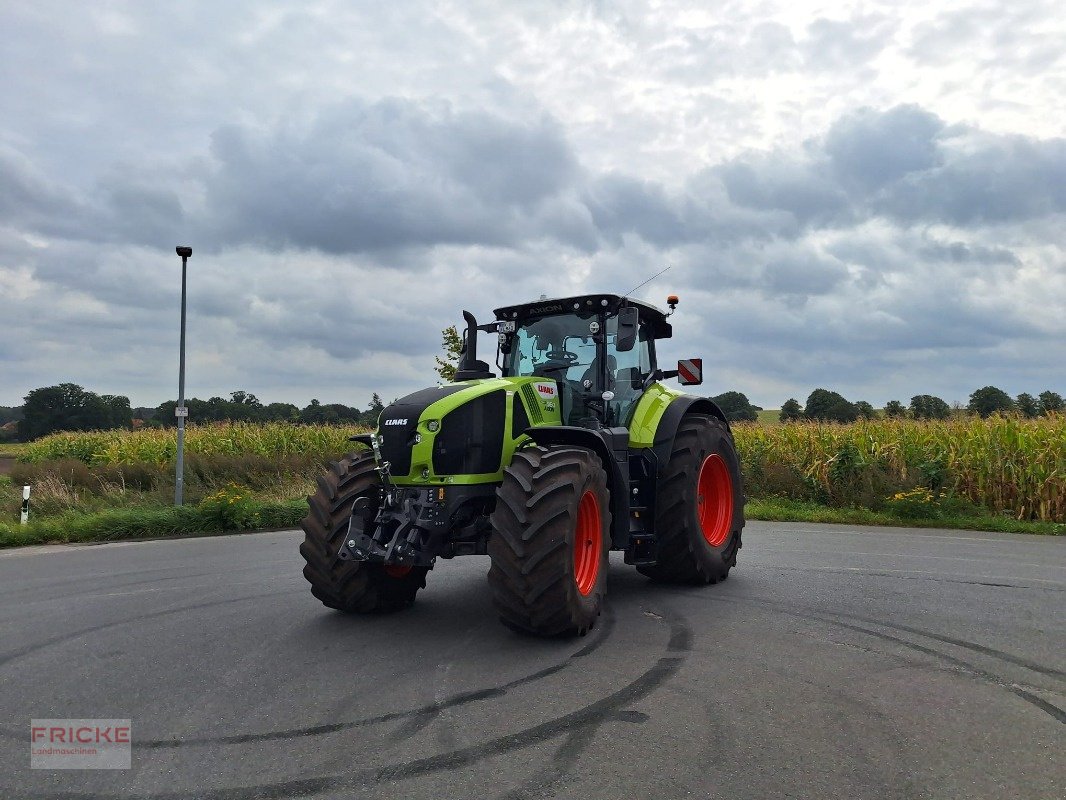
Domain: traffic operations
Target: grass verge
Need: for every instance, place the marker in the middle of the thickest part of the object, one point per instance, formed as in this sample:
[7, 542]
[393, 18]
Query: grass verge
[141, 523]
[151, 523]
[782, 510]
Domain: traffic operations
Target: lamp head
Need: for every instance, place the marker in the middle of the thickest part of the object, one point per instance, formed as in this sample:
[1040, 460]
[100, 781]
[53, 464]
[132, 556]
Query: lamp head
[184, 252]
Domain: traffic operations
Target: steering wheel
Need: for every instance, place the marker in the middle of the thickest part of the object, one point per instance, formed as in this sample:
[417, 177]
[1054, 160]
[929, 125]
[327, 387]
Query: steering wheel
[564, 356]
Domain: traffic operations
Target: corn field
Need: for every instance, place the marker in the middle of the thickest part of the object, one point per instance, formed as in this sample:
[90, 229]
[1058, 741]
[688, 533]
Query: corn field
[159, 446]
[1006, 465]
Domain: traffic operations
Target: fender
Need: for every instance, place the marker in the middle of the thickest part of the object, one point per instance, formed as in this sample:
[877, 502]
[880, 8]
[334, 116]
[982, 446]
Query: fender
[671, 420]
[612, 446]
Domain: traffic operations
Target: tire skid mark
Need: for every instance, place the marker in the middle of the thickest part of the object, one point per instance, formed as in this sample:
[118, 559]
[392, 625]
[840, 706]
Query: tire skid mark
[418, 718]
[965, 667]
[547, 780]
[979, 648]
[587, 720]
[94, 580]
[968, 645]
[589, 716]
[25, 651]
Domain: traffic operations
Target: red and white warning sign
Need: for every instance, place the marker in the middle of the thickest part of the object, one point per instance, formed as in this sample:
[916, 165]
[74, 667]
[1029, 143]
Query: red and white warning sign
[690, 371]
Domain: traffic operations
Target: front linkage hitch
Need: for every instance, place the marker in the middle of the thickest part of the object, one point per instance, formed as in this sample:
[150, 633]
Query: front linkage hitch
[397, 526]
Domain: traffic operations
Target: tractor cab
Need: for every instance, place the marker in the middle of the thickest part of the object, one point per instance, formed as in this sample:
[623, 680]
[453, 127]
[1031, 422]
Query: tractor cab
[599, 349]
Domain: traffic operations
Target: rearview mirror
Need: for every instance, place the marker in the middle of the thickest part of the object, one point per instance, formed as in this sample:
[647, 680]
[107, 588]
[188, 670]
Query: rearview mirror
[628, 319]
[690, 371]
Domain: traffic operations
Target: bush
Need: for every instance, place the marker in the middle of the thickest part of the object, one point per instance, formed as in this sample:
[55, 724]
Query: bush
[917, 503]
[230, 509]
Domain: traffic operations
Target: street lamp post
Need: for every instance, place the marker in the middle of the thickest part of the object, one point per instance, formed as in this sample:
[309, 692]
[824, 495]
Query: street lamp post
[181, 412]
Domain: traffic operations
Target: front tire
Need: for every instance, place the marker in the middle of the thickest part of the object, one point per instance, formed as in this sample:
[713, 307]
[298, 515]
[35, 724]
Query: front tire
[351, 586]
[700, 505]
[551, 535]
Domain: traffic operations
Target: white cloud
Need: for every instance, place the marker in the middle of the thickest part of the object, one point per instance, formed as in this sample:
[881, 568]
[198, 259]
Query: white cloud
[864, 196]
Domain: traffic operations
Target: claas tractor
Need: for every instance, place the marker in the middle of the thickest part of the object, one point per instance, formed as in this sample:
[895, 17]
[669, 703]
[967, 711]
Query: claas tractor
[575, 449]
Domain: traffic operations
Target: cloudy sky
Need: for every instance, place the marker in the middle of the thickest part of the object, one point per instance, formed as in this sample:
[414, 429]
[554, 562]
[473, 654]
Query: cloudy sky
[869, 197]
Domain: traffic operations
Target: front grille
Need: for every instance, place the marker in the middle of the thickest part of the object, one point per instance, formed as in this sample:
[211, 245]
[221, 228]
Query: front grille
[470, 440]
[396, 440]
[532, 404]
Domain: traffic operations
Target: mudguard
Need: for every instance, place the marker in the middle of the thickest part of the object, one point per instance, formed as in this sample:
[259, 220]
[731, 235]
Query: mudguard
[671, 419]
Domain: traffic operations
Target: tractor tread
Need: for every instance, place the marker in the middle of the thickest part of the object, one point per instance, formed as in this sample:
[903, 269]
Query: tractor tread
[351, 586]
[684, 557]
[531, 577]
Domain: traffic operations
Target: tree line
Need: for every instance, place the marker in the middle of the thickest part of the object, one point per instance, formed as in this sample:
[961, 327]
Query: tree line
[829, 406]
[69, 407]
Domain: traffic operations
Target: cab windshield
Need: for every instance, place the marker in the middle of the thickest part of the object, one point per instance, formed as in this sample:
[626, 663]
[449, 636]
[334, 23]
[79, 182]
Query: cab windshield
[562, 347]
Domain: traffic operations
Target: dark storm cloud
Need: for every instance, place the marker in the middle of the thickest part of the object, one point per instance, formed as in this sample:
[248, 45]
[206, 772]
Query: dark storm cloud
[905, 165]
[31, 200]
[810, 262]
[783, 182]
[868, 150]
[395, 173]
[1003, 179]
[800, 277]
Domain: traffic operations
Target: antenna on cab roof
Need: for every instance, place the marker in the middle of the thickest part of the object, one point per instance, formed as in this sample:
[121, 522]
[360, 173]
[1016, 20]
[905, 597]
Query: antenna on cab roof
[649, 280]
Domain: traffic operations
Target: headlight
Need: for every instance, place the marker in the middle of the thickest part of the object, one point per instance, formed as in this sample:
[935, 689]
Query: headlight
[433, 425]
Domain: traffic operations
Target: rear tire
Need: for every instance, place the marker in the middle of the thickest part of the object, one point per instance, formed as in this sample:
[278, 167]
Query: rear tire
[699, 505]
[351, 586]
[551, 535]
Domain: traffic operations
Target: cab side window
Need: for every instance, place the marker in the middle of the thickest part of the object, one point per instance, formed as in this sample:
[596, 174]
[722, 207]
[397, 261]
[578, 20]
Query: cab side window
[628, 371]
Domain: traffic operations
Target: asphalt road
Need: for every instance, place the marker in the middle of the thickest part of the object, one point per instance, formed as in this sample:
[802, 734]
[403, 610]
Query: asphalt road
[835, 662]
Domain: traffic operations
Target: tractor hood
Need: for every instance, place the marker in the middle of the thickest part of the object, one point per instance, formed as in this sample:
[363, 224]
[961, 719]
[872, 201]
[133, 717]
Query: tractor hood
[463, 432]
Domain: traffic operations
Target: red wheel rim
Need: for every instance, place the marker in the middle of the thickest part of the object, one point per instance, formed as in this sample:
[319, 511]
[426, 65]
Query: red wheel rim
[397, 570]
[714, 500]
[588, 542]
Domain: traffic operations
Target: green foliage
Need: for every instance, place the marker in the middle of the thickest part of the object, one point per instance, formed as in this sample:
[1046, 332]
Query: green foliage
[138, 523]
[10, 414]
[158, 446]
[826, 406]
[866, 411]
[1051, 402]
[894, 409]
[231, 508]
[926, 406]
[1027, 405]
[1007, 465]
[245, 407]
[913, 504]
[791, 410]
[452, 345]
[736, 406]
[69, 407]
[990, 400]
[785, 510]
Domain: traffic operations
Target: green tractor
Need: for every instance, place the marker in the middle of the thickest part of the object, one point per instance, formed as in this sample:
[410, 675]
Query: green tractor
[576, 449]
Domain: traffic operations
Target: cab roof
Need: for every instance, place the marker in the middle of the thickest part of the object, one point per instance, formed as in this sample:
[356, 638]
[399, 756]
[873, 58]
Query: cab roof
[653, 316]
